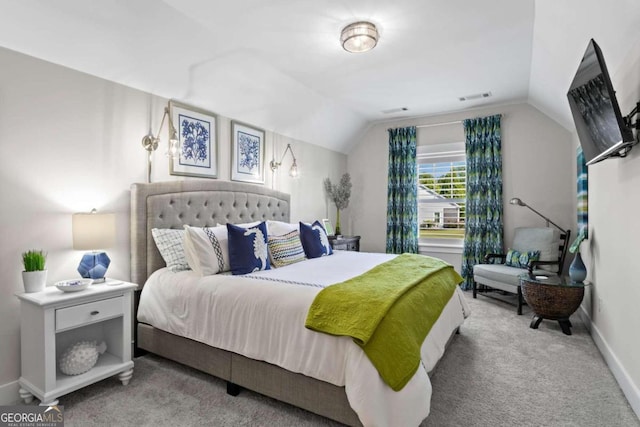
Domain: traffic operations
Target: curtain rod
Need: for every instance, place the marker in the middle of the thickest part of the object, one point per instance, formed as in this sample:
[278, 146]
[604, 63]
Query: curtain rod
[502, 115]
[439, 124]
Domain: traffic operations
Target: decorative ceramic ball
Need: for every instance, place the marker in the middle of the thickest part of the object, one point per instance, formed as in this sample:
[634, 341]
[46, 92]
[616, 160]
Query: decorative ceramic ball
[81, 357]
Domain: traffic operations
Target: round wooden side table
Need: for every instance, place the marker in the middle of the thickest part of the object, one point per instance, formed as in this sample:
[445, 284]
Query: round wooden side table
[552, 297]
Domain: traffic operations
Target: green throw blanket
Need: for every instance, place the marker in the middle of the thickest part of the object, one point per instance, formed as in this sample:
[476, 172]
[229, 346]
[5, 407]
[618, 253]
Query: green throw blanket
[389, 310]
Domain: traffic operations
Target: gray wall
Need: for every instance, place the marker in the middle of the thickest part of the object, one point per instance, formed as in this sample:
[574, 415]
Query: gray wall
[611, 253]
[71, 142]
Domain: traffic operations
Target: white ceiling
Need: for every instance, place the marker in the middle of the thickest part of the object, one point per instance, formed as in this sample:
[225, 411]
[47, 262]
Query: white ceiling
[279, 65]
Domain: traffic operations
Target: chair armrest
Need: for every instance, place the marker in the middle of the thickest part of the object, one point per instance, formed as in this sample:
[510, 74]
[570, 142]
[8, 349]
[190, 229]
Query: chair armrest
[488, 257]
[534, 264]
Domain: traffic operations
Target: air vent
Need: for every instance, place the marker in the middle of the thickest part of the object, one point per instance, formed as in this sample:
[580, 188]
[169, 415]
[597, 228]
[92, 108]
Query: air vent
[394, 110]
[476, 96]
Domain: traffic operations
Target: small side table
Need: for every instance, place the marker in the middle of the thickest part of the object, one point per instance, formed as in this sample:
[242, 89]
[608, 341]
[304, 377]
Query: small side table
[52, 320]
[552, 297]
[345, 243]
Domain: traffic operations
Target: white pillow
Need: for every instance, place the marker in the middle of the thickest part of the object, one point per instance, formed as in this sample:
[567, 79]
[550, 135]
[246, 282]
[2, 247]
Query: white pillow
[279, 228]
[207, 249]
[169, 244]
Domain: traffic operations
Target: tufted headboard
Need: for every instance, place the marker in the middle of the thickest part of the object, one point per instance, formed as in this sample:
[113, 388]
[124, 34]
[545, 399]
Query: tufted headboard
[201, 203]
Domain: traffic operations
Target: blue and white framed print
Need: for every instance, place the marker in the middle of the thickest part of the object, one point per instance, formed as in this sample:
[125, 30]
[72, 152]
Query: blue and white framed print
[198, 147]
[247, 153]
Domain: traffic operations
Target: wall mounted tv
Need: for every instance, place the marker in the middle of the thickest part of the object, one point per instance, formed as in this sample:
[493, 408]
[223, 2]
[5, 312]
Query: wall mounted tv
[602, 130]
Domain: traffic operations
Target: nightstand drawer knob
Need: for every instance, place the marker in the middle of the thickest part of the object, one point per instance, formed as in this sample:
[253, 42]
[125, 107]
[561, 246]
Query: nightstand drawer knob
[94, 312]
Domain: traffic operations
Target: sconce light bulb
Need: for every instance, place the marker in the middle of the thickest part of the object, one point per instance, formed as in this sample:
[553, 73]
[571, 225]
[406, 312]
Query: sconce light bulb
[173, 149]
[293, 172]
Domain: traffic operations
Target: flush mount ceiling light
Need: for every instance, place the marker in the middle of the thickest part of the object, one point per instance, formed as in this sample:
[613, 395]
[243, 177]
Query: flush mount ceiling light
[359, 37]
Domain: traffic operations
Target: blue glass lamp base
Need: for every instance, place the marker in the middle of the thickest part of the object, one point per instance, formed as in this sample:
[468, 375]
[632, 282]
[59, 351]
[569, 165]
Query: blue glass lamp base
[94, 265]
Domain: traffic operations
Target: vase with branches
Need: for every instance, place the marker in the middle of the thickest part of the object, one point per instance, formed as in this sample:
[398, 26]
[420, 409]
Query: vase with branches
[339, 194]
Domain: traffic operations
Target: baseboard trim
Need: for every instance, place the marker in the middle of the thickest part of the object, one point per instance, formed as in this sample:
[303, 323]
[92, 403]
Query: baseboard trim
[9, 393]
[630, 390]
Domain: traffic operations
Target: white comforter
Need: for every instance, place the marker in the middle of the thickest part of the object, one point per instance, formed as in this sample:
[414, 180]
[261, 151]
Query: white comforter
[262, 316]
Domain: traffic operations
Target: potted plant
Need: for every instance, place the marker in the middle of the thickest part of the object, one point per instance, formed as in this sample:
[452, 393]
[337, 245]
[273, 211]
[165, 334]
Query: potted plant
[340, 195]
[34, 276]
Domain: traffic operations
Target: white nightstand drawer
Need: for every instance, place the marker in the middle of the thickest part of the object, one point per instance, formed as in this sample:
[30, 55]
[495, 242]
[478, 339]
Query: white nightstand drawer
[83, 314]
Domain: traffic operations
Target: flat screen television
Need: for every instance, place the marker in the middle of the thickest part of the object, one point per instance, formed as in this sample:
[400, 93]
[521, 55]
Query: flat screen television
[601, 128]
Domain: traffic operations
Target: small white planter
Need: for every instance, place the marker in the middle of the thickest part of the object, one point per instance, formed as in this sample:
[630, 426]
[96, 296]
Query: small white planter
[34, 281]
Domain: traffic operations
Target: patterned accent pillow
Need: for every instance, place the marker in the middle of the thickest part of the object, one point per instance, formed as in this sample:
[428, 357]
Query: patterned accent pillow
[248, 248]
[169, 243]
[314, 240]
[243, 225]
[521, 259]
[286, 249]
[207, 249]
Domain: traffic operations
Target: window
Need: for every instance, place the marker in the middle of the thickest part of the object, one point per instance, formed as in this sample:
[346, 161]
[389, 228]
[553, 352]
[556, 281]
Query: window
[442, 188]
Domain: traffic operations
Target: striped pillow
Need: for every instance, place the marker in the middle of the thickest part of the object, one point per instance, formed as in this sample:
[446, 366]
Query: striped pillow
[286, 249]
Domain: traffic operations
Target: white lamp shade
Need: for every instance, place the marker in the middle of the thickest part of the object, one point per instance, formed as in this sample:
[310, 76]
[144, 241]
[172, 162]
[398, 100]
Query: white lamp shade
[92, 231]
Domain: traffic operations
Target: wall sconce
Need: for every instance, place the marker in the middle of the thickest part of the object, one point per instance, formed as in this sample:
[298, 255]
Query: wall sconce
[293, 172]
[150, 142]
[516, 201]
[359, 37]
[93, 231]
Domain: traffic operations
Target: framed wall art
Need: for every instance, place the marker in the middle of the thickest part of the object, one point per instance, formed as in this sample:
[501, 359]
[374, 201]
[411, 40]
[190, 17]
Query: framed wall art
[328, 227]
[247, 153]
[198, 143]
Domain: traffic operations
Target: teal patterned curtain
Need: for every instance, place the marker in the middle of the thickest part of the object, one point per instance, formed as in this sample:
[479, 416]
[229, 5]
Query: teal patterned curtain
[483, 232]
[402, 193]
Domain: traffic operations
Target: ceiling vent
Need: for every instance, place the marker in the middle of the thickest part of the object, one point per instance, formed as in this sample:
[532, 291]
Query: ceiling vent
[476, 96]
[394, 110]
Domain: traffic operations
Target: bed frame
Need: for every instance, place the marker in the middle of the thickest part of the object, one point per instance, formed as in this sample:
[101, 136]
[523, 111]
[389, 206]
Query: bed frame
[207, 203]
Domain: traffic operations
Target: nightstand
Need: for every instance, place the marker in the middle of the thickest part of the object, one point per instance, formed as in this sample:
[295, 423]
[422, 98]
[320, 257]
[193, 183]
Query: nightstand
[52, 320]
[345, 243]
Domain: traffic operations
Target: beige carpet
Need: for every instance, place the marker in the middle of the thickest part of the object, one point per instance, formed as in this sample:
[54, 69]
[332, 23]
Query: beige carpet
[497, 372]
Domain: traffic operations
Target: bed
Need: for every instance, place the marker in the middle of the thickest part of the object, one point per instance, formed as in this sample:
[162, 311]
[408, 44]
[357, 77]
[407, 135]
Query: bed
[344, 388]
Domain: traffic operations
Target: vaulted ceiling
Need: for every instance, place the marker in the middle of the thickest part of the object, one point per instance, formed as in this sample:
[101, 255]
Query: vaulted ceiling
[279, 64]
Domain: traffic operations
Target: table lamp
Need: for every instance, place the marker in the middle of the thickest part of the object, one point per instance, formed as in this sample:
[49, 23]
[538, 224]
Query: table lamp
[93, 231]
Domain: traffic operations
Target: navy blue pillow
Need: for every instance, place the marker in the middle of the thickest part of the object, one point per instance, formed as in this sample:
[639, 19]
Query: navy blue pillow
[314, 240]
[248, 248]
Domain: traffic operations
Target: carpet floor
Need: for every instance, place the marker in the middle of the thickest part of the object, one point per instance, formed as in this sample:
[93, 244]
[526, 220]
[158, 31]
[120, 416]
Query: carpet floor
[496, 372]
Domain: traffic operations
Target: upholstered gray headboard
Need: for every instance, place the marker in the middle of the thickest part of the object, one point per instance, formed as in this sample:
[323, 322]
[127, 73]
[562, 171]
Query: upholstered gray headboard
[201, 203]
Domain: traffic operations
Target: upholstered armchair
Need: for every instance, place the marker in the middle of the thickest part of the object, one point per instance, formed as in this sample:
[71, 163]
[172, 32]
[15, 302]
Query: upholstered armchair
[539, 251]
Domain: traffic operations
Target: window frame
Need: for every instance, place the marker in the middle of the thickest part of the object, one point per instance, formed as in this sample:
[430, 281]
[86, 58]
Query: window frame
[450, 154]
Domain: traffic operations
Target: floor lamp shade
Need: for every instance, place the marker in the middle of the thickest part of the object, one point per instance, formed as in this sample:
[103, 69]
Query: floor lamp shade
[93, 232]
